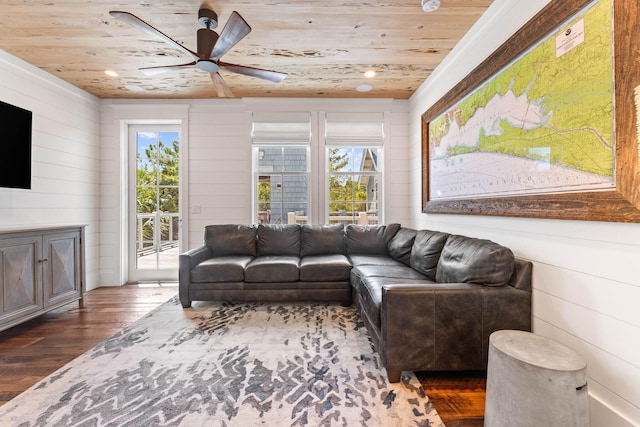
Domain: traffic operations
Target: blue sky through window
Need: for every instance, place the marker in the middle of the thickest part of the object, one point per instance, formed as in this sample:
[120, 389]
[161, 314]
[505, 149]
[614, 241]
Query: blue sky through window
[149, 139]
[354, 157]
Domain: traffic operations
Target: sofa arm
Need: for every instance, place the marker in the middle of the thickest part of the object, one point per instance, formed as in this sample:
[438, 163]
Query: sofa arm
[431, 327]
[186, 262]
[444, 326]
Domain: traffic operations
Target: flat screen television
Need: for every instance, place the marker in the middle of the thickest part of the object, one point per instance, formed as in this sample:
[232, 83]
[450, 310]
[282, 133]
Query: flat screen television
[15, 171]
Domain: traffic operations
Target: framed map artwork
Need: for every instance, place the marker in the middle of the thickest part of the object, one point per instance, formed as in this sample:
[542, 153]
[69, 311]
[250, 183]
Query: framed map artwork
[544, 127]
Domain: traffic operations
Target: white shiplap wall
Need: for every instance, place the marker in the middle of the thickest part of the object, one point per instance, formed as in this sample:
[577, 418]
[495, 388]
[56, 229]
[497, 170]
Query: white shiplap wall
[65, 156]
[216, 141]
[586, 274]
[219, 166]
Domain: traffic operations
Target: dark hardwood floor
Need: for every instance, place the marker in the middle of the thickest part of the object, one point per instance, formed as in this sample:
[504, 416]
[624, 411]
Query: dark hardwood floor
[35, 349]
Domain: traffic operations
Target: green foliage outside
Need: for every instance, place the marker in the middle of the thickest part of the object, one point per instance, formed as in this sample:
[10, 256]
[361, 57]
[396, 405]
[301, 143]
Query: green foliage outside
[264, 200]
[345, 193]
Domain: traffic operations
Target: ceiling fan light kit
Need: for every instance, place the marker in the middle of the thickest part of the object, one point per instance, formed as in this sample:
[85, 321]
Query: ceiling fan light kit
[430, 5]
[210, 48]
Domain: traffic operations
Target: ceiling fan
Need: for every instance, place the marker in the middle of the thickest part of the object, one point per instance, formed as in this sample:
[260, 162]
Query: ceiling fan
[210, 48]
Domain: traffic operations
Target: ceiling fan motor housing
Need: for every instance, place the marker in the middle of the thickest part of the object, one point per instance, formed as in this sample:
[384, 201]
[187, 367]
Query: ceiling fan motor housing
[206, 39]
[208, 18]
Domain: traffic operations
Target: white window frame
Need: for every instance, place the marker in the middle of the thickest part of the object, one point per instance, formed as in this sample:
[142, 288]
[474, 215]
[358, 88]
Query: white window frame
[355, 130]
[281, 130]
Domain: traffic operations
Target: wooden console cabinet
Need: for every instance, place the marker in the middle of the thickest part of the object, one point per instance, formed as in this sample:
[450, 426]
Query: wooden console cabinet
[40, 270]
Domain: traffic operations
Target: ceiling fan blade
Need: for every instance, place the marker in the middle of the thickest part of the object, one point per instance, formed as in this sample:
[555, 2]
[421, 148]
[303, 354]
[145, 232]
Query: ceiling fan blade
[138, 23]
[220, 85]
[234, 30]
[154, 71]
[272, 76]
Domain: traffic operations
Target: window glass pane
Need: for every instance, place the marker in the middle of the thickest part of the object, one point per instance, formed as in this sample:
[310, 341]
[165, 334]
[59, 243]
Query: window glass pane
[282, 195]
[264, 213]
[295, 159]
[341, 189]
[369, 160]
[295, 188]
[146, 144]
[264, 199]
[169, 165]
[276, 189]
[340, 159]
[146, 199]
[169, 140]
[353, 185]
[353, 159]
[296, 213]
[169, 199]
[145, 230]
[147, 173]
[283, 159]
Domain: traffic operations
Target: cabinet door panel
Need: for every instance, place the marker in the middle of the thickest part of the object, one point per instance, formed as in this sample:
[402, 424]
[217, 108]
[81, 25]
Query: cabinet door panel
[19, 273]
[62, 276]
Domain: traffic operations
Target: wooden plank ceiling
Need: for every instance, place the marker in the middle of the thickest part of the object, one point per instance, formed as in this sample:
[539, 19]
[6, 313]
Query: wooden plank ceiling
[323, 46]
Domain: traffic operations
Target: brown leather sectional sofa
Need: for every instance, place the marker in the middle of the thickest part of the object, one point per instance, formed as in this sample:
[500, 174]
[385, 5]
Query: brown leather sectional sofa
[429, 300]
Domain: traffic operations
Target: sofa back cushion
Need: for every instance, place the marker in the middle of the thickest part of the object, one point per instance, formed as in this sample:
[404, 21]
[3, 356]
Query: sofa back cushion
[278, 239]
[231, 239]
[400, 245]
[369, 239]
[426, 251]
[469, 260]
[321, 239]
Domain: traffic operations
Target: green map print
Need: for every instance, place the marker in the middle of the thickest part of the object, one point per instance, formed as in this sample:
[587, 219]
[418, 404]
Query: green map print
[549, 106]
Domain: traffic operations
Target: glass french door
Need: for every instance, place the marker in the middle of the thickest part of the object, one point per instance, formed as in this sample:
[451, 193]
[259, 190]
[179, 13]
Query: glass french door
[154, 202]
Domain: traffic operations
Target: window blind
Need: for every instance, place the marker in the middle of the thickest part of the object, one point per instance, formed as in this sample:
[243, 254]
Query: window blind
[281, 127]
[341, 128]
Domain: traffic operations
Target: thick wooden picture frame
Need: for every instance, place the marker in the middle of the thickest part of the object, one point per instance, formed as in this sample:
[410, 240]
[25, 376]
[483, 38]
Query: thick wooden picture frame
[619, 205]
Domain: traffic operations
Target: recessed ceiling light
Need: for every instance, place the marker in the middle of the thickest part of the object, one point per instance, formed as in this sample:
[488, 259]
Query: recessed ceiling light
[111, 73]
[369, 74]
[430, 5]
[364, 88]
[134, 88]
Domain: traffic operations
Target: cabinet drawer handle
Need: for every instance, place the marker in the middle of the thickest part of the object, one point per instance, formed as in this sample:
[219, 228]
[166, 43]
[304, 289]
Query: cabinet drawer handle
[43, 260]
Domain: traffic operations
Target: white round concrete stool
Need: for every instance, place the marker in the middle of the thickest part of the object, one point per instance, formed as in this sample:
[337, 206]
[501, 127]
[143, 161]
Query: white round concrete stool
[534, 381]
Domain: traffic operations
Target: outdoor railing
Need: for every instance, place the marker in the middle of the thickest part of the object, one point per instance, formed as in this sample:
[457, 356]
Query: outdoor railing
[361, 218]
[157, 233]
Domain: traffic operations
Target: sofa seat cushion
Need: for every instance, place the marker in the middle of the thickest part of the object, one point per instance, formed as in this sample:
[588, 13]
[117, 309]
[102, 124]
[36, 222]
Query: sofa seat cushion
[468, 260]
[327, 268]
[357, 260]
[393, 271]
[220, 269]
[282, 268]
[370, 293]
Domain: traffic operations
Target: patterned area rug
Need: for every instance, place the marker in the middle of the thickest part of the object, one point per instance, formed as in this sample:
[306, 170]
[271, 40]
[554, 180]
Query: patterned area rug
[222, 364]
